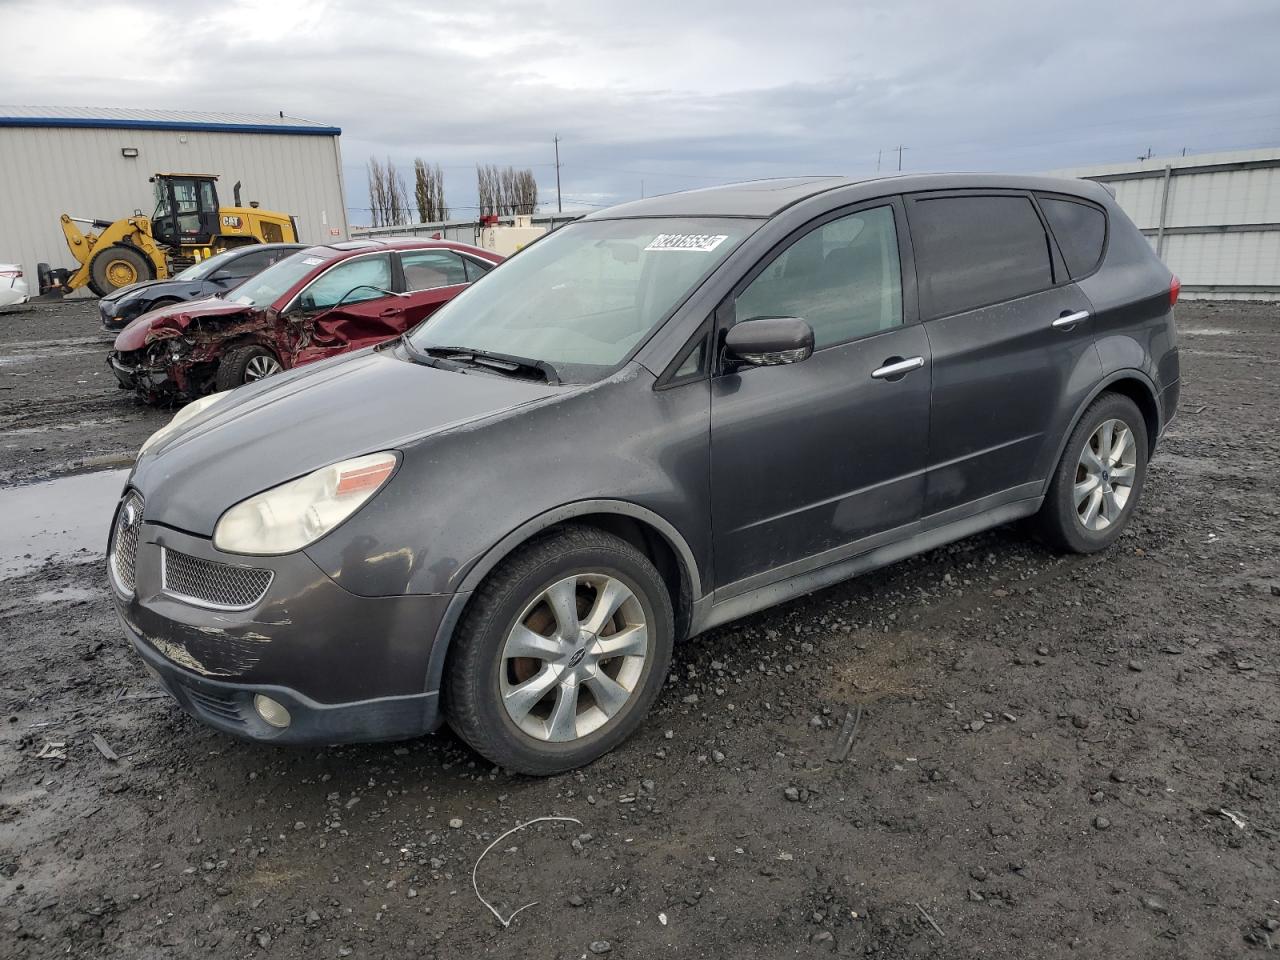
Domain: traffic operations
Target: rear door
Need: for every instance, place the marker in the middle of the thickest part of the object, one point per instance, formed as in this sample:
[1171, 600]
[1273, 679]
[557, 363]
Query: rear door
[811, 461]
[1012, 344]
[431, 279]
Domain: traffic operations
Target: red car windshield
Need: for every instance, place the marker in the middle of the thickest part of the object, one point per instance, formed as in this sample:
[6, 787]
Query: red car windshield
[278, 279]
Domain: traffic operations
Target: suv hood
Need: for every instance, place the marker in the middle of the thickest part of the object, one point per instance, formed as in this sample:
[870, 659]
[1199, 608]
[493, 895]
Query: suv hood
[174, 320]
[277, 429]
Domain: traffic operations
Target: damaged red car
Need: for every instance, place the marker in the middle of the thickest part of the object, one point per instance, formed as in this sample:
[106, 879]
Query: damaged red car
[317, 303]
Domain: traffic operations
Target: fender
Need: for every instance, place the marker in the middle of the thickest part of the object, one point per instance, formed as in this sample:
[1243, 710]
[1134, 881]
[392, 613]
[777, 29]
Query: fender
[494, 555]
[1128, 373]
[480, 567]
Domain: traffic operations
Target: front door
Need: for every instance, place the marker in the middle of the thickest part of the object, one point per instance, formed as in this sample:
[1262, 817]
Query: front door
[347, 307]
[818, 460]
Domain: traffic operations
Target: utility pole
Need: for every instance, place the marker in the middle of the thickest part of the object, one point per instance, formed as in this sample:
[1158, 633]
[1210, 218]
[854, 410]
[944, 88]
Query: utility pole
[879, 154]
[641, 189]
[559, 205]
[900, 148]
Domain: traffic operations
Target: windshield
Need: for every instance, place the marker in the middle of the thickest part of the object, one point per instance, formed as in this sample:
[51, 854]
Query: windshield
[203, 268]
[582, 297]
[271, 284]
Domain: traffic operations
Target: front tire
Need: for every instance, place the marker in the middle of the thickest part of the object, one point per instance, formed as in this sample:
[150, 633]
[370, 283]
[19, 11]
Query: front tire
[118, 266]
[245, 365]
[562, 650]
[1099, 480]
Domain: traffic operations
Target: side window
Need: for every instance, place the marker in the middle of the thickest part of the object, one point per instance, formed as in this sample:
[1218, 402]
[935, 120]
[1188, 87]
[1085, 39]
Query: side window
[975, 251]
[476, 269]
[427, 269]
[252, 263]
[350, 282]
[1081, 231]
[843, 277]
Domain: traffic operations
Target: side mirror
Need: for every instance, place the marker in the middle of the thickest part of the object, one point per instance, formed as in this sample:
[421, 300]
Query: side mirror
[769, 341]
[306, 303]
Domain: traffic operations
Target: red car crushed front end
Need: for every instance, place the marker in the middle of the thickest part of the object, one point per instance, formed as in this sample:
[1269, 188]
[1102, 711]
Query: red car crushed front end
[186, 350]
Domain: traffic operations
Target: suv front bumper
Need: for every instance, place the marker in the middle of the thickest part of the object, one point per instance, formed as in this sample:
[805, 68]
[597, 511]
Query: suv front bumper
[346, 667]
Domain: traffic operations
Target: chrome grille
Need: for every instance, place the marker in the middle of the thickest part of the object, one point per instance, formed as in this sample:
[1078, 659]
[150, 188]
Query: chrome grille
[208, 583]
[123, 557]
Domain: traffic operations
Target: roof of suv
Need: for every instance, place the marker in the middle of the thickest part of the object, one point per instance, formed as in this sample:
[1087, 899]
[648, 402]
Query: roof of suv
[765, 198]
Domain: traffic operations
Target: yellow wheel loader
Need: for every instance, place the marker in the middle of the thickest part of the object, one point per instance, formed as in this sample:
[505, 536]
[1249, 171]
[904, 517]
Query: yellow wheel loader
[188, 225]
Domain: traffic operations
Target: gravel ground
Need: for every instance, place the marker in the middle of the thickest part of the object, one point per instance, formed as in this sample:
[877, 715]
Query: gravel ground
[1053, 756]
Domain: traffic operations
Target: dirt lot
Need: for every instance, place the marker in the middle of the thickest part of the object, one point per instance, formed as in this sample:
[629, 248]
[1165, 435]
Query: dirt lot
[1055, 757]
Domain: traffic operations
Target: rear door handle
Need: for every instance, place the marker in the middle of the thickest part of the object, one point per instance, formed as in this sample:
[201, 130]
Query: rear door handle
[1071, 319]
[895, 367]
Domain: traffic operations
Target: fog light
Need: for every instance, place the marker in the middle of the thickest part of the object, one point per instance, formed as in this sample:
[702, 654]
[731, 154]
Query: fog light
[271, 711]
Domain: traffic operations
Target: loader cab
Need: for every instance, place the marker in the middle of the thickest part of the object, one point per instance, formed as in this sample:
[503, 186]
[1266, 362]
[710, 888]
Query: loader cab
[186, 209]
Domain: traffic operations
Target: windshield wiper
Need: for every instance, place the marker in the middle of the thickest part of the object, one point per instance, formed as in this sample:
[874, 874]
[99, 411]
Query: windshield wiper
[499, 362]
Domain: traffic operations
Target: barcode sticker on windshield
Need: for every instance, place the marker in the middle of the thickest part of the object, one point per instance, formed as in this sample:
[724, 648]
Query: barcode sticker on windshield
[696, 242]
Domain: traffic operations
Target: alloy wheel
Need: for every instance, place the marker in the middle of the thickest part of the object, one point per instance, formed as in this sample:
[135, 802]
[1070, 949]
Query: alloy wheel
[261, 366]
[574, 658]
[1105, 475]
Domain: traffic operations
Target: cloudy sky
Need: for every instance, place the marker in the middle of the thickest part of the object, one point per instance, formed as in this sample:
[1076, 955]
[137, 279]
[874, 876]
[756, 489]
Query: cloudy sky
[663, 95]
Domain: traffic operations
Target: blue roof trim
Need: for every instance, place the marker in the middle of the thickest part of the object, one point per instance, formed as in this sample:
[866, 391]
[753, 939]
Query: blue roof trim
[196, 127]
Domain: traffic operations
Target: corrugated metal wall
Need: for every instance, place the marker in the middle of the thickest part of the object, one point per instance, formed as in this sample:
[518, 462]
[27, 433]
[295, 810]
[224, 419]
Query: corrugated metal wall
[48, 171]
[1213, 218]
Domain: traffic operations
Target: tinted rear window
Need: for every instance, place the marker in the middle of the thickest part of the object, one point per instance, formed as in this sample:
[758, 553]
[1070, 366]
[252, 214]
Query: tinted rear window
[1081, 231]
[974, 251]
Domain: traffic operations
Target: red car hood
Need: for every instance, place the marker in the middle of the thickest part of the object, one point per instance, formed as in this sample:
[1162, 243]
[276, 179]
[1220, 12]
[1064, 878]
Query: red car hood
[174, 318]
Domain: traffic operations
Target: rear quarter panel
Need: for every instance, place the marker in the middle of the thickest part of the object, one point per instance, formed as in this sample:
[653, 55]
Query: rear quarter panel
[1134, 326]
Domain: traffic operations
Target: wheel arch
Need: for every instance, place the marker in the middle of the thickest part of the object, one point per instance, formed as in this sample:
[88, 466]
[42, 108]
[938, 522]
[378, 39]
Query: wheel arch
[654, 536]
[1131, 383]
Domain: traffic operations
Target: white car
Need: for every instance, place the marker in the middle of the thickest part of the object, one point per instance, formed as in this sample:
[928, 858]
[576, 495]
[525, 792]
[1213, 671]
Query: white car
[13, 287]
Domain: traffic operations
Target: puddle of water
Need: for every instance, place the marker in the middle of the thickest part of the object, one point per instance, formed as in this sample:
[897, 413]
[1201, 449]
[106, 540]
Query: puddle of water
[64, 519]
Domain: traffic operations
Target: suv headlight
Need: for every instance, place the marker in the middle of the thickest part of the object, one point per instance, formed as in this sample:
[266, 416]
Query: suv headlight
[181, 417]
[288, 517]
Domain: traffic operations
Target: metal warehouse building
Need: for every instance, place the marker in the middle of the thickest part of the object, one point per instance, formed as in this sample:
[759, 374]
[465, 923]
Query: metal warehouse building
[1214, 218]
[95, 163]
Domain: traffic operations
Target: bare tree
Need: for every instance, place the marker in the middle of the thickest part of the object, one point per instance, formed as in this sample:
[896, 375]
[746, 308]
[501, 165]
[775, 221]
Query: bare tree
[398, 211]
[377, 194]
[388, 198]
[505, 191]
[428, 192]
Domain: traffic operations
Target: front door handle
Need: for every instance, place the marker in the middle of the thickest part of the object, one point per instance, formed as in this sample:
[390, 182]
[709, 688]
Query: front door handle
[897, 367]
[390, 312]
[1071, 319]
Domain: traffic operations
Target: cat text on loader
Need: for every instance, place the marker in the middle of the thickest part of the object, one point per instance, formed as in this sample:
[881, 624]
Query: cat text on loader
[188, 225]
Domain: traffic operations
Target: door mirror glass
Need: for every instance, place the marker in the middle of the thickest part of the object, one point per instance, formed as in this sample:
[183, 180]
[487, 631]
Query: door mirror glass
[769, 341]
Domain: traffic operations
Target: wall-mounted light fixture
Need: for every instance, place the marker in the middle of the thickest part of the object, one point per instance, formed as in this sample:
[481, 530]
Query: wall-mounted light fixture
[129, 152]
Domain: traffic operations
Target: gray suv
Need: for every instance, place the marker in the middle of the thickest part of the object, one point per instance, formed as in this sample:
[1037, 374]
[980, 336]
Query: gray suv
[655, 420]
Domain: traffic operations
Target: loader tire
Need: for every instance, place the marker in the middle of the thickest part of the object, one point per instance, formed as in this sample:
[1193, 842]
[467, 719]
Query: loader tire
[118, 266]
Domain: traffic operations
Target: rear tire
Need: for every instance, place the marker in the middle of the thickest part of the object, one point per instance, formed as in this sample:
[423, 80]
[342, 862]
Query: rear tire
[1099, 480]
[246, 364]
[545, 673]
[118, 266]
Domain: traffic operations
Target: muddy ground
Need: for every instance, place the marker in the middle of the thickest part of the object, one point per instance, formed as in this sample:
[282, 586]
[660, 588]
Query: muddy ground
[1055, 756]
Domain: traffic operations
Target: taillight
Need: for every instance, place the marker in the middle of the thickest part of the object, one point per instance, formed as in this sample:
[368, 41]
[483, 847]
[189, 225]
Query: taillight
[1175, 288]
